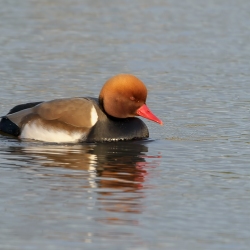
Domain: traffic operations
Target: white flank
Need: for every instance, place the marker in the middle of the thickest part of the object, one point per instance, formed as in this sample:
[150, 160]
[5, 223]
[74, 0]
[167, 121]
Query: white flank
[93, 116]
[32, 131]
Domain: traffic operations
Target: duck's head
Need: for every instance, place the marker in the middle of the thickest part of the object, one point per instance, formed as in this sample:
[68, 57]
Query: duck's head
[124, 96]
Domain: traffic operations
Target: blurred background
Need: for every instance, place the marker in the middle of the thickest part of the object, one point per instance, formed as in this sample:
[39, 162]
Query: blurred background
[187, 187]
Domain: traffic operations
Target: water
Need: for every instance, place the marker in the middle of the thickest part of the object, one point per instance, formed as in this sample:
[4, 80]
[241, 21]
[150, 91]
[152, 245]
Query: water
[185, 188]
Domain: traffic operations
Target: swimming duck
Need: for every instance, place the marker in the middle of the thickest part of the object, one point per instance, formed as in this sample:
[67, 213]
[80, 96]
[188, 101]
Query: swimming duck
[111, 117]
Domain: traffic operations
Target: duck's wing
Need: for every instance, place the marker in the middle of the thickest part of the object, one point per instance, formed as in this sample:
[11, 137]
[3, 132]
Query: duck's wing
[17, 117]
[78, 112]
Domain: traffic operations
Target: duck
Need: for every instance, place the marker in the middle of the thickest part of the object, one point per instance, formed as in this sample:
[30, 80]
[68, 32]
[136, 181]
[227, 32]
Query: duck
[111, 117]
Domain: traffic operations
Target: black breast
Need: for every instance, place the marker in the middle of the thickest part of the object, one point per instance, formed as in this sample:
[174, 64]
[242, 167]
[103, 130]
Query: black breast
[109, 128]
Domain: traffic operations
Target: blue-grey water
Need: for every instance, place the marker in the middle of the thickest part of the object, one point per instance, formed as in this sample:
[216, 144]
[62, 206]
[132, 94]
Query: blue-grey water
[188, 186]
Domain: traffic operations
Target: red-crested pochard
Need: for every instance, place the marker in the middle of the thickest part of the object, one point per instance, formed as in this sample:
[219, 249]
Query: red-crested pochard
[111, 117]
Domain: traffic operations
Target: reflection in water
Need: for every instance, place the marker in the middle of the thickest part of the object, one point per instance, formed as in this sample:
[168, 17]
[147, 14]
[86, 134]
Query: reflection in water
[115, 172]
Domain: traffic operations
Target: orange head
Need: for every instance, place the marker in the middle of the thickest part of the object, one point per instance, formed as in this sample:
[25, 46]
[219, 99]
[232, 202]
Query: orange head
[125, 96]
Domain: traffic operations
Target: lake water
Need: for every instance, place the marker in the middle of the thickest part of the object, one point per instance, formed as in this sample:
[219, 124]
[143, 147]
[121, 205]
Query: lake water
[188, 186]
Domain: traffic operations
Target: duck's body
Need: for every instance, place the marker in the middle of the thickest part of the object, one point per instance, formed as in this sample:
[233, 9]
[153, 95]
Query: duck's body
[109, 118]
[103, 128]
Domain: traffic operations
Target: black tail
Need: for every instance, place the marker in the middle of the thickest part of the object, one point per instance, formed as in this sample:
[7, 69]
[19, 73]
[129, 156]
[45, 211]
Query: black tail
[8, 126]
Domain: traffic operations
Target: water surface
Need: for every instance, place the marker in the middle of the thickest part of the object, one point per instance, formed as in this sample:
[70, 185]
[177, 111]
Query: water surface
[187, 187]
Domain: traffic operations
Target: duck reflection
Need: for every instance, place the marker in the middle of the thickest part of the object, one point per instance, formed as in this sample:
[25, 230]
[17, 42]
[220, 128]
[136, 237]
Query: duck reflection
[116, 171]
[121, 167]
